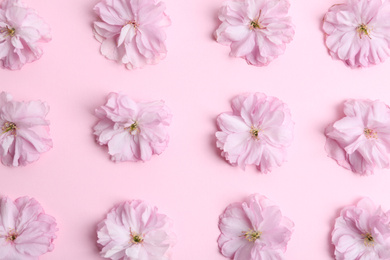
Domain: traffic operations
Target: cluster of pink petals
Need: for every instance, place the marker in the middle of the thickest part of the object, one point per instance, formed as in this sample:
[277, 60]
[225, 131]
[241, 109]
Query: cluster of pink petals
[257, 132]
[254, 230]
[256, 30]
[362, 232]
[135, 230]
[132, 32]
[358, 32]
[24, 132]
[360, 141]
[21, 31]
[26, 232]
[133, 131]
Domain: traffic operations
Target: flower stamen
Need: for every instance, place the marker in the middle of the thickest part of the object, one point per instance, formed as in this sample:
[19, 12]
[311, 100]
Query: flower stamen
[9, 126]
[368, 239]
[255, 132]
[136, 238]
[9, 31]
[369, 133]
[363, 30]
[133, 127]
[133, 23]
[255, 24]
[252, 235]
[12, 235]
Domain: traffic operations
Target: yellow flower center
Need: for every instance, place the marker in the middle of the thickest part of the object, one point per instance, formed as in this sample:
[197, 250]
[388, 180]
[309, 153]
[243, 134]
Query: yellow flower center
[133, 127]
[135, 238]
[12, 235]
[255, 24]
[132, 23]
[9, 126]
[252, 235]
[363, 30]
[9, 31]
[255, 132]
[369, 133]
[368, 239]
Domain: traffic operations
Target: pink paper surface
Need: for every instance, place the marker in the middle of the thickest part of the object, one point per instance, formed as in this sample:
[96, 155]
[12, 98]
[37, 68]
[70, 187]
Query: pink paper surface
[190, 182]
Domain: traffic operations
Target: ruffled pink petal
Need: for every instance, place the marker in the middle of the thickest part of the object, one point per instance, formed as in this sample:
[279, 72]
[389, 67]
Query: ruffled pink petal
[256, 30]
[149, 121]
[268, 118]
[135, 218]
[137, 29]
[358, 47]
[29, 30]
[361, 140]
[34, 230]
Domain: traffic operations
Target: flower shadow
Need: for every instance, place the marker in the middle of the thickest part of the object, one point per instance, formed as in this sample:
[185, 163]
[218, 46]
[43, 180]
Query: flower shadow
[338, 114]
[216, 23]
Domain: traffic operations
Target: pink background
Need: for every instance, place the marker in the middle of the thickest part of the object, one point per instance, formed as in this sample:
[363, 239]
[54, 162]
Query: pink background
[190, 182]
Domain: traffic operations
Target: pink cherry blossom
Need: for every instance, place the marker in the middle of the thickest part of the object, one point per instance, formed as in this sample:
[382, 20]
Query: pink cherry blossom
[26, 232]
[358, 32]
[254, 230]
[24, 131]
[134, 230]
[362, 232]
[256, 30]
[21, 31]
[257, 132]
[360, 141]
[133, 131]
[132, 32]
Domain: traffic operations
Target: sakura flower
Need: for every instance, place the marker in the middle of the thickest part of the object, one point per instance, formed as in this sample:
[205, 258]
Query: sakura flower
[135, 230]
[254, 230]
[132, 32]
[257, 132]
[362, 232]
[133, 131]
[256, 30]
[26, 232]
[360, 141]
[24, 131]
[358, 32]
[21, 31]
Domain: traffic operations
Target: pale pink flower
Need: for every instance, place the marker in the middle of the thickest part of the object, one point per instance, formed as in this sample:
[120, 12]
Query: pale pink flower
[21, 31]
[24, 131]
[132, 32]
[358, 32]
[360, 141]
[26, 232]
[254, 230]
[134, 230]
[256, 30]
[362, 232]
[257, 132]
[133, 131]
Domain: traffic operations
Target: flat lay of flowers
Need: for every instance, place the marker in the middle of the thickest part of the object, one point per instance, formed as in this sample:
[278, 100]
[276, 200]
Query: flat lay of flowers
[194, 130]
